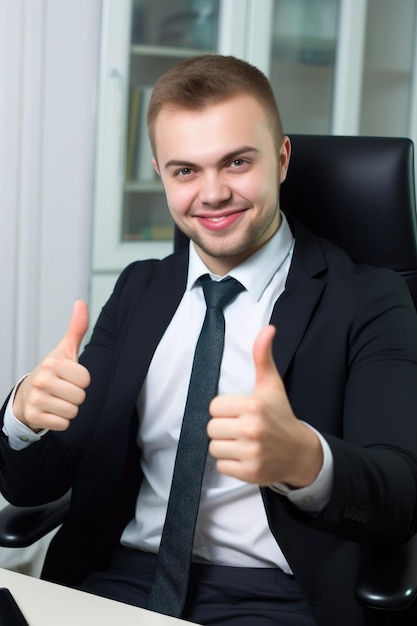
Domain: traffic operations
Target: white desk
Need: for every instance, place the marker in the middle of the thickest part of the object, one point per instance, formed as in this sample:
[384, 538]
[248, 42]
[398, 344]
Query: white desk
[47, 604]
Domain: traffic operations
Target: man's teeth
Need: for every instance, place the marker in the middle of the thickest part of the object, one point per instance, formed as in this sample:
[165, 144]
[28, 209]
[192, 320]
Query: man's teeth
[215, 219]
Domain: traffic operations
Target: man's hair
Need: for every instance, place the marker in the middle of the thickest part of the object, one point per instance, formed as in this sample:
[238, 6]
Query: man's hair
[208, 79]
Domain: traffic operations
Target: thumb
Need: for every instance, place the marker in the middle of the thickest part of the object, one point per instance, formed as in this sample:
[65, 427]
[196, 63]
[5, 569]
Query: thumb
[265, 369]
[78, 326]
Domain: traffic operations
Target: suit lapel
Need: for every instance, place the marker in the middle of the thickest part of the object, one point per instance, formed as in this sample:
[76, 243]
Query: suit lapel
[149, 320]
[305, 284]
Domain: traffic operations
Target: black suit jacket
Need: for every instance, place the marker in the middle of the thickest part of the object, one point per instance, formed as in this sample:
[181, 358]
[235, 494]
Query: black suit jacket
[346, 347]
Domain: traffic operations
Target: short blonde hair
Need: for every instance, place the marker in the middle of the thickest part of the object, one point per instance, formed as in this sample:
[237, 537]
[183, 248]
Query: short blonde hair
[203, 80]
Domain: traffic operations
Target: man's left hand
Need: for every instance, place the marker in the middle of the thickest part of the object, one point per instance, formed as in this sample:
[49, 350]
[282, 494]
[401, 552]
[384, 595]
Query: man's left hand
[257, 438]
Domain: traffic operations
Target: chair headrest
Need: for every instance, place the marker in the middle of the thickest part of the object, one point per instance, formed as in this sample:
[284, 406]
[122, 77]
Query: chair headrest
[357, 191]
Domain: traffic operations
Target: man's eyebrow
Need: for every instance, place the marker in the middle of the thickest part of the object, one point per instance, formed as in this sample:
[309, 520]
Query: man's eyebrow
[227, 157]
[178, 163]
[238, 152]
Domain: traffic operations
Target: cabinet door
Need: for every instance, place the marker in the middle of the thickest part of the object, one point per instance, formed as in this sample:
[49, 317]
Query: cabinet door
[388, 99]
[141, 40]
[303, 61]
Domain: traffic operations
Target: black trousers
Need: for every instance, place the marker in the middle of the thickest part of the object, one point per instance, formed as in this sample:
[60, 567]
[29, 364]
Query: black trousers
[218, 595]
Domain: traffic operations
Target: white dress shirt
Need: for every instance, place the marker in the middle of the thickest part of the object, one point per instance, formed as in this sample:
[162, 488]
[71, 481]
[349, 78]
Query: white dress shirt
[232, 527]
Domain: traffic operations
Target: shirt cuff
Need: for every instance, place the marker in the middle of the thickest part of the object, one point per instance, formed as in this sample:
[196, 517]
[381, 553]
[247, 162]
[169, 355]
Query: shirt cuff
[18, 434]
[313, 498]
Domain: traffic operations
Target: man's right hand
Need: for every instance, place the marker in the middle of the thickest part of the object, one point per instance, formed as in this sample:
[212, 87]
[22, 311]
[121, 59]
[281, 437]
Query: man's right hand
[51, 395]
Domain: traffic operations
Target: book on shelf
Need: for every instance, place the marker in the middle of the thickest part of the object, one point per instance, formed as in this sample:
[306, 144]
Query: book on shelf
[139, 152]
[132, 131]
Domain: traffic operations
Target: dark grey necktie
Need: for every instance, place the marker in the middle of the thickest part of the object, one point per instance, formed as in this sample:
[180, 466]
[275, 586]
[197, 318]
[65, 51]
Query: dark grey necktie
[170, 584]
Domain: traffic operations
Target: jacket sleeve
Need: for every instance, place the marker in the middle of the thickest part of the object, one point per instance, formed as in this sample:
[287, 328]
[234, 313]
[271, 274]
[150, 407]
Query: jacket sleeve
[373, 431]
[375, 462]
[45, 470]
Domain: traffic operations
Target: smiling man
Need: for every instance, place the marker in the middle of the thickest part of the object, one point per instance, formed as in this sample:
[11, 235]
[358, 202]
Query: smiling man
[222, 190]
[311, 432]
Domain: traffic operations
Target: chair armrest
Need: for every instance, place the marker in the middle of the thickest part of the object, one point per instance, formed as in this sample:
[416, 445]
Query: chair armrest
[22, 526]
[388, 577]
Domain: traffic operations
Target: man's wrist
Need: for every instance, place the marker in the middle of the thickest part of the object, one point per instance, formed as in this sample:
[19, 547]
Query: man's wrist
[314, 497]
[19, 435]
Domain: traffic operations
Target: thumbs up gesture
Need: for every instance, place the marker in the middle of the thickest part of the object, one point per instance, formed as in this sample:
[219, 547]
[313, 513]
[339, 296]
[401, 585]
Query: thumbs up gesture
[50, 396]
[257, 438]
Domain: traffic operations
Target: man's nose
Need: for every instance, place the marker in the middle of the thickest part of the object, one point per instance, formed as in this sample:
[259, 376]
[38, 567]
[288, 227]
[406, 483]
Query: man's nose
[214, 189]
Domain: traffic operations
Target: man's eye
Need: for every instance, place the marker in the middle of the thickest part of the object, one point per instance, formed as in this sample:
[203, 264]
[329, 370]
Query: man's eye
[237, 162]
[185, 171]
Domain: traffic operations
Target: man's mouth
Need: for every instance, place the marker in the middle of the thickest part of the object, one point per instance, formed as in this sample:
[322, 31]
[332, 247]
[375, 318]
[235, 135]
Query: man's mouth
[219, 222]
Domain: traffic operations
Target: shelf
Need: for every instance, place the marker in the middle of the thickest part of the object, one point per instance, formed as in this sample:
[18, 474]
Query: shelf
[144, 187]
[305, 50]
[167, 51]
[151, 233]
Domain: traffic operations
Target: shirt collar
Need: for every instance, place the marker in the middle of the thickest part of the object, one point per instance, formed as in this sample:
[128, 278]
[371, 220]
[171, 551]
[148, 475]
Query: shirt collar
[256, 272]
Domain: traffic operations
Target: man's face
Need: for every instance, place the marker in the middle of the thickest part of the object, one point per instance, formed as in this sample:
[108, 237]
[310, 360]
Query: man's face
[221, 175]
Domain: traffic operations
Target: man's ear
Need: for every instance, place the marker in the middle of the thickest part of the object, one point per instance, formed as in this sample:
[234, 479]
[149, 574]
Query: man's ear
[155, 166]
[284, 158]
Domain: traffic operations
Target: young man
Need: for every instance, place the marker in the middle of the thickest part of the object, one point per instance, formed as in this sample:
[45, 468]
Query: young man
[312, 436]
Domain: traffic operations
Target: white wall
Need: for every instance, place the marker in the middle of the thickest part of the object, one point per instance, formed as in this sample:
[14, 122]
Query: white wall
[49, 56]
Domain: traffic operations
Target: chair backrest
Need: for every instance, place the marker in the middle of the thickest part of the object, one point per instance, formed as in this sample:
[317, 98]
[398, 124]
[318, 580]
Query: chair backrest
[358, 192]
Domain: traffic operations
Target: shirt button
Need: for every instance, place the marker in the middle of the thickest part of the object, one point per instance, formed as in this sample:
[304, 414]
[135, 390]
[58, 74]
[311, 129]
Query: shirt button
[24, 438]
[308, 499]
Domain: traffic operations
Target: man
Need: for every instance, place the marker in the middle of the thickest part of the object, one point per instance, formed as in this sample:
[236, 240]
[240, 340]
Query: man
[313, 436]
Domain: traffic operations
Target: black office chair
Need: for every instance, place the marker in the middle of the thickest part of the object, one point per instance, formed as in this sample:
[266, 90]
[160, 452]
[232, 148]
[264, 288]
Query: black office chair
[360, 193]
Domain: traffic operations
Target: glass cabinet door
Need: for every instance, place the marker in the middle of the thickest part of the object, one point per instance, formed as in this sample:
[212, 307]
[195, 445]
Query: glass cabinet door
[302, 66]
[141, 39]
[389, 66]
[162, 33]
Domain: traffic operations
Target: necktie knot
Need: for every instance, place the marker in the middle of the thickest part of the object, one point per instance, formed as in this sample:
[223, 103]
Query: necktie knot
[219, 293]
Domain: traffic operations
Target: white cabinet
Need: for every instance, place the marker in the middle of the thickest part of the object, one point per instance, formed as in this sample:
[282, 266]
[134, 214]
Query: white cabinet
[48, 77]
[336, 66]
